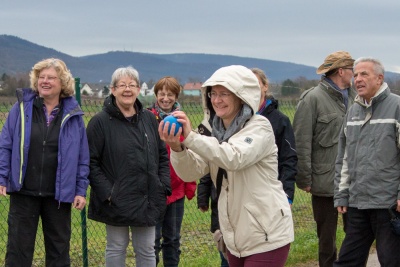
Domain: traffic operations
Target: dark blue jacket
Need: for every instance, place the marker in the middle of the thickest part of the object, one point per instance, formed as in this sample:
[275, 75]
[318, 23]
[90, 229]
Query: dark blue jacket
[73, 151]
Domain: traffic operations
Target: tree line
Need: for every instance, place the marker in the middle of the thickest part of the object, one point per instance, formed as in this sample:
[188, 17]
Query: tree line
[287, 89]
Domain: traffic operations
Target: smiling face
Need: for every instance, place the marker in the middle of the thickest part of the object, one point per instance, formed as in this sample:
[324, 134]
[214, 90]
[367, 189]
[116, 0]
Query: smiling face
[367, 82]
[226, 104]
[49, 84]
[166, 99]
[125, 91]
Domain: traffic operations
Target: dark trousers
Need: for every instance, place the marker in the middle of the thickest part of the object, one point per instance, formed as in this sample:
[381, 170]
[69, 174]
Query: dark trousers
[326, 217]
[363, 227]
[170, 231]
[224, 262]
[273, 258]
[23, 219]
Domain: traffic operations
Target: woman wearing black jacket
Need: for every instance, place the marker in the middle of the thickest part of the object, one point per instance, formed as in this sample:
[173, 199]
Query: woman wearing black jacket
[129, 171]
[284, 136]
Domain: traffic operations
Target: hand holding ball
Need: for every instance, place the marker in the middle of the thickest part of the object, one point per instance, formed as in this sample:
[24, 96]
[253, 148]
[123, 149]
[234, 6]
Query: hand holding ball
[171, 119]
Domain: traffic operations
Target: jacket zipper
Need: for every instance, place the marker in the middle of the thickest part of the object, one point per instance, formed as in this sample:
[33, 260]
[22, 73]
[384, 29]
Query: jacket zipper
[44, 143]
[22, 141]
[63, 121]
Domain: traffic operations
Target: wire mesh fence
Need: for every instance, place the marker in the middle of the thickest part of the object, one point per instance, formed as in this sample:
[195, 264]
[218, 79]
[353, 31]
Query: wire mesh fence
[88, 239]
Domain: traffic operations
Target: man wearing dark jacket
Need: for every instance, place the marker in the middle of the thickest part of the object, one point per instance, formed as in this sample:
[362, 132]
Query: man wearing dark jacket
[317, 124]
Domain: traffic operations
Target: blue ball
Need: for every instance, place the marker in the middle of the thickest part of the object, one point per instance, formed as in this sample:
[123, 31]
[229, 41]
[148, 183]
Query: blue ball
[171, 119]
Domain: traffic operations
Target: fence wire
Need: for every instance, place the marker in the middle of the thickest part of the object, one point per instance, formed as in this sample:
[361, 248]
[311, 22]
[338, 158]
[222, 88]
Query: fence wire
[197, 247]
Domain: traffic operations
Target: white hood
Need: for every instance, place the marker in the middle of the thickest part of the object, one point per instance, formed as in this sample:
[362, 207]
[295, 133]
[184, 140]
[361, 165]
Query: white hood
[239, 80]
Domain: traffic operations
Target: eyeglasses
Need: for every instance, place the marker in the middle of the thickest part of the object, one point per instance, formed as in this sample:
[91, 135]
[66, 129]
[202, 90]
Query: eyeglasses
[165, 95]
[49, 78]
[214, 95]
[348, 69]
[123, 86]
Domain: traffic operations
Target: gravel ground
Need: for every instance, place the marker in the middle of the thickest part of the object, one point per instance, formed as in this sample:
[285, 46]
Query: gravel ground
[373, 259]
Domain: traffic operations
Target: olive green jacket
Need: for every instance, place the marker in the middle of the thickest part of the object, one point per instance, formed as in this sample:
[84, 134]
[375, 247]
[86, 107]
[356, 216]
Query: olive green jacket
[317, 123]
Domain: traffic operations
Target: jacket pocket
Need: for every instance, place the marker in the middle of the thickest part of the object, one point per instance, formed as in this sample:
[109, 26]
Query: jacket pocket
[322, 168]
[323, 178]
[327, 129]
[257, 222]
[264, 225]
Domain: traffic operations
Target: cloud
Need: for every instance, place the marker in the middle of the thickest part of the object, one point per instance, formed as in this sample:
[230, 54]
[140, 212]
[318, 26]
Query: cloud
[293, 31]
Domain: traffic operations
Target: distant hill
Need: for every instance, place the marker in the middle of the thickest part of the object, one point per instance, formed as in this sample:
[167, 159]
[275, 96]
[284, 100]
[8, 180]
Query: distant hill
[18, 56]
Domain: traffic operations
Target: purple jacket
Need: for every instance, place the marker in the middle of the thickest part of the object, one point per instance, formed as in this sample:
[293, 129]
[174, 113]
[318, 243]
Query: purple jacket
[73, 150]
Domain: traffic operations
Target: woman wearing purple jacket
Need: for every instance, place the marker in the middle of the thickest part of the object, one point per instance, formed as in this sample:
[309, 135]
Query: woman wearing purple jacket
[44, 164]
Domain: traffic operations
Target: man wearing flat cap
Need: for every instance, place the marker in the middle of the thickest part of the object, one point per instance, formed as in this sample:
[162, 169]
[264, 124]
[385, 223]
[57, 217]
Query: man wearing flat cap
[316, 125]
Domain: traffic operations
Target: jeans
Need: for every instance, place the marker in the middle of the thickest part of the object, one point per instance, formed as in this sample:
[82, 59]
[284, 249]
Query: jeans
[363, 227]
[170, 231]
[23, 220]
[142, 242]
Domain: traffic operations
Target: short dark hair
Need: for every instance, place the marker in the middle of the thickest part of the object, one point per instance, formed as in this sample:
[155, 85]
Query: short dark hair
[170, 83]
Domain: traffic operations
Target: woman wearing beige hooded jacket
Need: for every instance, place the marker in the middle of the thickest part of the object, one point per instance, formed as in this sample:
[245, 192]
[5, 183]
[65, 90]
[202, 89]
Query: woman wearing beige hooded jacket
[241, 157]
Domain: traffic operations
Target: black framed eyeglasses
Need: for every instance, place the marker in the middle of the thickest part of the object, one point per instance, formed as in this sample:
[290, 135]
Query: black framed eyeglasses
[348, 69]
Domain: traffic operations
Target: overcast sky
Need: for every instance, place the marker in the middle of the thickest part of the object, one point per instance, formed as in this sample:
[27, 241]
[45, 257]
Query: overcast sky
[298, 31]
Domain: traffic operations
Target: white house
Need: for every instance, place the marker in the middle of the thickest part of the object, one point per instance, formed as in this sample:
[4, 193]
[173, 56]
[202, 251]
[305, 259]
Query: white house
[143, 89]
[95, 90]
[86, 90]
[151, 91]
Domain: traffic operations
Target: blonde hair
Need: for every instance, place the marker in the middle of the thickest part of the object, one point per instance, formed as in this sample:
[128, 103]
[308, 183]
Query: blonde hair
[65, 76]
[264, 80]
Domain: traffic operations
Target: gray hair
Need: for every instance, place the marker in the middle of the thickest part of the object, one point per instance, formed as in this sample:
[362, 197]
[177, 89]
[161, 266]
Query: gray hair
[124, 72]
[378, 67]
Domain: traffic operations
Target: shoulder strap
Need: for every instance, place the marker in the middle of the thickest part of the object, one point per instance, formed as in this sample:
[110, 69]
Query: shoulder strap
[220, 175]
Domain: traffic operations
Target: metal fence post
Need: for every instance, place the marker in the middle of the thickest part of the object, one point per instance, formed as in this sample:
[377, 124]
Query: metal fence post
[78, 90]
[85, 257]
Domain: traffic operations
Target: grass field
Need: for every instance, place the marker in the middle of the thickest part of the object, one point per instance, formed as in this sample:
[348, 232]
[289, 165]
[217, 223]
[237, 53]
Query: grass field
[198, 248]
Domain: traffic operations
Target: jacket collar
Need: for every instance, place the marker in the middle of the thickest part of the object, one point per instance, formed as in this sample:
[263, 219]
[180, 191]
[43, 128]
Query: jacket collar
[382, 93]
[111, 108]
[70, 105]
[25, 94]
[327, 87]
[269, 105]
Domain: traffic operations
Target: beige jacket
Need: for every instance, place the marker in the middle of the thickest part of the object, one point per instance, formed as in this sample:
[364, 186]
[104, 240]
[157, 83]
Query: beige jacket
[254, 213]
